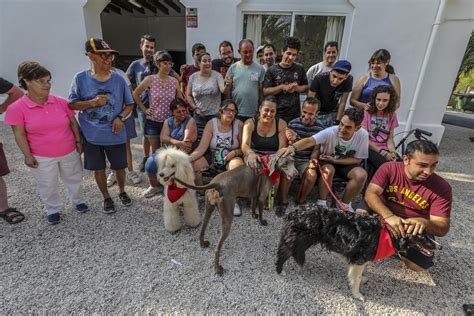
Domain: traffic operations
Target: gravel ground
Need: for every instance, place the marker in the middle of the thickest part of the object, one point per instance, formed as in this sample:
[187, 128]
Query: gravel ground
[128, 263]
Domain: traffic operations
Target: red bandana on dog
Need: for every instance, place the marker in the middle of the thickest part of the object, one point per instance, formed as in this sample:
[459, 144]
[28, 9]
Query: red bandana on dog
[385, 247]
[274, 176]
[174, 193]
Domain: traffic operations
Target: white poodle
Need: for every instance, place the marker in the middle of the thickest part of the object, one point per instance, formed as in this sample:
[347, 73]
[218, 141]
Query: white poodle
[174, 162]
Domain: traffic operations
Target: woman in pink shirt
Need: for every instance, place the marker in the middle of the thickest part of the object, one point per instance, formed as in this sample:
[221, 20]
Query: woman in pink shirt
[48, 135]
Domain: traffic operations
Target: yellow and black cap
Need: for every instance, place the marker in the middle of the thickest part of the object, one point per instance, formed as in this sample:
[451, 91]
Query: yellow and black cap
[97, 45]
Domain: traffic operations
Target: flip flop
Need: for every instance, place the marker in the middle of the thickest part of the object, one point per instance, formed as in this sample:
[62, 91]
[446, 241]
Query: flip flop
[12, 216]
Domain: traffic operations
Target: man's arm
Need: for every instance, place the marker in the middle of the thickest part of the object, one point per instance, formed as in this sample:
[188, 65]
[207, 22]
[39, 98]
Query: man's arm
[98, 101]
[436, 225]
[13, 94]
[373, 200]
[342, 105]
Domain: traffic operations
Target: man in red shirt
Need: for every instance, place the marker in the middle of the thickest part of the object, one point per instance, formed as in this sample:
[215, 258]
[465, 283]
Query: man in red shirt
[410, 197]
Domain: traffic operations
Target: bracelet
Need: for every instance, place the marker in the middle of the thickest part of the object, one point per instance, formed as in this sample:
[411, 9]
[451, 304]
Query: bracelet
[78, 142]
[292, 146]
[388, 216]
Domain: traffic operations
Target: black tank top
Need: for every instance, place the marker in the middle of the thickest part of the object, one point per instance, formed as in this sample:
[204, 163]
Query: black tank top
[265, 145]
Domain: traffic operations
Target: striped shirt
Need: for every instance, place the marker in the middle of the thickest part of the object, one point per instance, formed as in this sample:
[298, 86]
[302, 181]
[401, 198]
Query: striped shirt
[304, 131]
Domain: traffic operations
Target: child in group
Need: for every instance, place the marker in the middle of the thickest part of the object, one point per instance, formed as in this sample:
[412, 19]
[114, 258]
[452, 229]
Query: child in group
[380, 120]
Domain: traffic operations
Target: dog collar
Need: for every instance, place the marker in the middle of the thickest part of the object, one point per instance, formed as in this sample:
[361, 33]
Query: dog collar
[174, 193]
[385, 246]
[274, 176]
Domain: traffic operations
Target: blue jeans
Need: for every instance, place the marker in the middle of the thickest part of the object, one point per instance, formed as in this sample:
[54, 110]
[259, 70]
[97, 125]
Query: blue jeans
[151, 166]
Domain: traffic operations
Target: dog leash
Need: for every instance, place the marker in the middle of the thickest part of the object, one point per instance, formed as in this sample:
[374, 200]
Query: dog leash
[342, 206]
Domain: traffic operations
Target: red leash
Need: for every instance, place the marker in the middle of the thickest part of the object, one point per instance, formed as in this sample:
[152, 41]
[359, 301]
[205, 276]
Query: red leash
[342, 206]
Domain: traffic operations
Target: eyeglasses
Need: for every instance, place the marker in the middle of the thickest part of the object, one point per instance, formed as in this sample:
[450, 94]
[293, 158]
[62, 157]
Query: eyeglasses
[169, 63]
[105, 56]
[44, 82]
[227, 110]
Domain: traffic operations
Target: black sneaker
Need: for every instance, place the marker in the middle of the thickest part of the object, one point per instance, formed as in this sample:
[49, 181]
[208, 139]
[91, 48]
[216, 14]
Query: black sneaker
[125, 199]
[141, 167]
[109, 206]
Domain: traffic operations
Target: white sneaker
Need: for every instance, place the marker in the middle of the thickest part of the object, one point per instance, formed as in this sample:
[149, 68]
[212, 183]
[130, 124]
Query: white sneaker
[322, 203]
[348, 206]
[134, 177]
[237, 211]
[111, 179]
[152, 191]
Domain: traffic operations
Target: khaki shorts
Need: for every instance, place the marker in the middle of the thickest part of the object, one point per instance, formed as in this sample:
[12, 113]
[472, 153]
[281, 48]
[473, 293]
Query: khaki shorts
[300, 165]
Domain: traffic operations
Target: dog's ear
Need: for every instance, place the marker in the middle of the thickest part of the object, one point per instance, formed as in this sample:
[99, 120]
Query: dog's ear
[272, 161]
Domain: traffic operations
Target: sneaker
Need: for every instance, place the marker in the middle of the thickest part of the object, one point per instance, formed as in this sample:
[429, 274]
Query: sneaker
[125, 199]
[82, 208]
[152, 191]
[53, 219]
[141, 167]
[237, 211]
[109, 206]
[134, 177]
[322, 203]
[111, 179]
[348, 207]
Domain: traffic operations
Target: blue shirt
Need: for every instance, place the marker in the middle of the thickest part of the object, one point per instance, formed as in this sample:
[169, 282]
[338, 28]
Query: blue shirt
[96, 123]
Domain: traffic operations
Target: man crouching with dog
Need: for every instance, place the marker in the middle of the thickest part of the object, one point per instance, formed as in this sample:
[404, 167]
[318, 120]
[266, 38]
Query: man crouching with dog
[412, 198]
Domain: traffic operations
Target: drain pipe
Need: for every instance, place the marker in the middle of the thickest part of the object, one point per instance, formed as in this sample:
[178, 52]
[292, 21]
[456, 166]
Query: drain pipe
[429, 48]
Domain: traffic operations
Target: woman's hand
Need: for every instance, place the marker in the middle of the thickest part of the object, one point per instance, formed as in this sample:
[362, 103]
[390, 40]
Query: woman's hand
[291, 135]
[148, 112]
[185, 145]
[252, 160]
[230, 155]
[366, 106]
[31, 162]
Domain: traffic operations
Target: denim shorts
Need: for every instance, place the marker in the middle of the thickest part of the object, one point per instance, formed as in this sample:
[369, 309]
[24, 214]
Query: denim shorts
[94, 156]
[130, 127]
[152, 129]
[151, 166]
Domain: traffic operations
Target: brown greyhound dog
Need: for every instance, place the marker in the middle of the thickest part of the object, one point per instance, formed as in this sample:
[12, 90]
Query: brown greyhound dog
[244, 182]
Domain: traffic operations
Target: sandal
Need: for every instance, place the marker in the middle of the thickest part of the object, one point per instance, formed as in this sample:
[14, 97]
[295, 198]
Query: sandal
[12, 216]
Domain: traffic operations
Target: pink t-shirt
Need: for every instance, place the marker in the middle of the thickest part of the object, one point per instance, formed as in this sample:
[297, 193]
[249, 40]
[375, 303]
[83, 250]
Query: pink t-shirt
[387, 122]
[47, 126]
[161, 95]
[407, 198]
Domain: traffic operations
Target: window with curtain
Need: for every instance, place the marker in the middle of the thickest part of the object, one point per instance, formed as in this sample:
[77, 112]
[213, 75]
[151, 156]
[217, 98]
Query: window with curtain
[312, 30]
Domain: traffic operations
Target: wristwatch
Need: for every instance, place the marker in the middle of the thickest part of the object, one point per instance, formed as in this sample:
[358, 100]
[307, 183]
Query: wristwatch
[121, 117]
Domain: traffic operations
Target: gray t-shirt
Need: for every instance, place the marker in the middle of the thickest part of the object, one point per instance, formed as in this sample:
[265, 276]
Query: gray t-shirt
[315, 70]
[206, 93]
[245, 86]
[332, 145]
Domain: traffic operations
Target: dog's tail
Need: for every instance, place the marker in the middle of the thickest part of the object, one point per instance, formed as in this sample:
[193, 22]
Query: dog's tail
[198, 187]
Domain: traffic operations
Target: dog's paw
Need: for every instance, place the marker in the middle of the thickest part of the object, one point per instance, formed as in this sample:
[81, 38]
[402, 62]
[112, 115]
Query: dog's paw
[204, 244]
[263, 222]
[358, 296]
[219, 270]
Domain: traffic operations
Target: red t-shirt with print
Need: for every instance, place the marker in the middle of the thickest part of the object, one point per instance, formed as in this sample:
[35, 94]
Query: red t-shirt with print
[407, 198]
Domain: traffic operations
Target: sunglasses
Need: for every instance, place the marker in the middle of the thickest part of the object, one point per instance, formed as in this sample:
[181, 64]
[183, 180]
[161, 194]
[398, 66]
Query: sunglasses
[105, 56]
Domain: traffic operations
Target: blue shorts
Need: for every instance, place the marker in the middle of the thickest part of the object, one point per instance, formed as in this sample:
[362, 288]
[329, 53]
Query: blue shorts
[130, 127]
[151, 166]
[152, 129]
[94, 156]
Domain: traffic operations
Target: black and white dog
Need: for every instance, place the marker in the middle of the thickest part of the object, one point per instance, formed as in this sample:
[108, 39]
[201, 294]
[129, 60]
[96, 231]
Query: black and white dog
[360, 239]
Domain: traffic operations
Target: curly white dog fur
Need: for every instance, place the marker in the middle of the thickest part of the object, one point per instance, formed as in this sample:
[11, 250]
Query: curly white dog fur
[174, 162]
